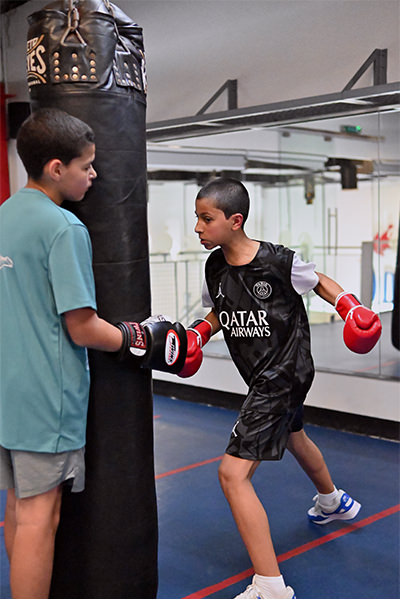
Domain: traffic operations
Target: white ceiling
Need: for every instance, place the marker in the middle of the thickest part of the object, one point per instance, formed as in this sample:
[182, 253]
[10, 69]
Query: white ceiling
[278, 50]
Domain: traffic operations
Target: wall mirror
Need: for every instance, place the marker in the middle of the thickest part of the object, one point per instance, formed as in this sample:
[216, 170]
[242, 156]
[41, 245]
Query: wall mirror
[329, 189]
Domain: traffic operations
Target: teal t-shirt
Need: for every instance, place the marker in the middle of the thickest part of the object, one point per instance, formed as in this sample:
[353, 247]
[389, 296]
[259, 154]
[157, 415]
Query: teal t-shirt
[45, 270]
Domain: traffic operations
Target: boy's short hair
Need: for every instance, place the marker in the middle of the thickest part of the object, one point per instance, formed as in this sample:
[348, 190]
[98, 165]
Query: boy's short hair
[229, 195]
[51, 133]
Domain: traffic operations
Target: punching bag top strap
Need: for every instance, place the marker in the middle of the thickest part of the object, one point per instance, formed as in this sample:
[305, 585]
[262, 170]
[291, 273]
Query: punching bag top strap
[73, 23]
[108, 6]
[126, 64]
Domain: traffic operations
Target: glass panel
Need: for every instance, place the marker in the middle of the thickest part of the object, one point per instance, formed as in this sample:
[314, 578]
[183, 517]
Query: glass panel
[349, 230]
[176, 258]
[334, 200]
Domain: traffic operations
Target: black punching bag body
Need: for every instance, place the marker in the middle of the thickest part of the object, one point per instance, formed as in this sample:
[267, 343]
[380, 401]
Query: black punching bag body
[86, 57]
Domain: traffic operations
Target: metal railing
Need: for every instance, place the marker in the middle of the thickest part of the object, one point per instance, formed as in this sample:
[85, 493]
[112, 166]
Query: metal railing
[176, 284]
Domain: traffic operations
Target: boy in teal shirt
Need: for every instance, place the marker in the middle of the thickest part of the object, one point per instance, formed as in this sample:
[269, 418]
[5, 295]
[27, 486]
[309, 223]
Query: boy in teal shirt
[47, 320]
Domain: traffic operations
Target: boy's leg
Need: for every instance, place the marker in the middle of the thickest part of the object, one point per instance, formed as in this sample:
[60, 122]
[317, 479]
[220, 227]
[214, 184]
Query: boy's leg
[31, 563]
[331, 504]
[310, 458]
[250, 517]
[10, 523]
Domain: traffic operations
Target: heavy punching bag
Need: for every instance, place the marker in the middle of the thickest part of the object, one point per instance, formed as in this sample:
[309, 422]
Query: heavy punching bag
[86, 57]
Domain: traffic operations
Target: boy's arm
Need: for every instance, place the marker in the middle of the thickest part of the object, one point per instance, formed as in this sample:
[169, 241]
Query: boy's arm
[86, 328]
[212, 318]
[156, 343]
[362, 328]
[327, 288]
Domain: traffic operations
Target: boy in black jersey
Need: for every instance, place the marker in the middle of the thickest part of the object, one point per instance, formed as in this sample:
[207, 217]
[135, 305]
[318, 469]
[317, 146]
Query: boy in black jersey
[254, 289]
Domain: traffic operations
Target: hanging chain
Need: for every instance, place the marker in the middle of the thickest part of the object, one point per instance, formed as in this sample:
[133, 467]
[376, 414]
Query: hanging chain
[73, 23]
[109, 7]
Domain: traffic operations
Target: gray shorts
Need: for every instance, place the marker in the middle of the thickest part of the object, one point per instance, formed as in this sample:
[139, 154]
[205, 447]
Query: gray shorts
[33, 473]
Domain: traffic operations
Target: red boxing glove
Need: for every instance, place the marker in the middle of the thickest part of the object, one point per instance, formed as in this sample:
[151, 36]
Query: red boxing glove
[198, 334]
[362, 328]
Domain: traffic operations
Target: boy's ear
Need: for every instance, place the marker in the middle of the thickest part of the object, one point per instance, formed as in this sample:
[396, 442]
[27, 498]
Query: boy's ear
[237, 221]
[53, 168]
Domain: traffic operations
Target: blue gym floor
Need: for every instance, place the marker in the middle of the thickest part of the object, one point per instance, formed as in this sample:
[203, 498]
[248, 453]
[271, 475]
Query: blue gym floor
[200, 552]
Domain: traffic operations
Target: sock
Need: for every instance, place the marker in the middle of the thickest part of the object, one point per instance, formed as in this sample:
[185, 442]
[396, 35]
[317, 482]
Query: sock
[329, 501]
[270, 587]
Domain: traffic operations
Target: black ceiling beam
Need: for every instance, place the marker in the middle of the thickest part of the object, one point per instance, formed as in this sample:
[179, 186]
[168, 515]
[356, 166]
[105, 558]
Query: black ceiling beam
[202, 177]
[345, 103]
[378, 58]
[265, 164]
[230, 86]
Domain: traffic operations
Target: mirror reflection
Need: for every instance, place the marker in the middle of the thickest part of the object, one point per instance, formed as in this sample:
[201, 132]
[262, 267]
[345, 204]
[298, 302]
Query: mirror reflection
[330, 190]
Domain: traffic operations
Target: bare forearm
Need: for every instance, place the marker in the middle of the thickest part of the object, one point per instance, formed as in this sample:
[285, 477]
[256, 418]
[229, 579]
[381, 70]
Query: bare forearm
[86, 328]
[213, 319]
[327, 288]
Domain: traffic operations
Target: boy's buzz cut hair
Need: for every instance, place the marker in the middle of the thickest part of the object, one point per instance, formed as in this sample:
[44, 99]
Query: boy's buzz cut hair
[229, 195]
[50, 133]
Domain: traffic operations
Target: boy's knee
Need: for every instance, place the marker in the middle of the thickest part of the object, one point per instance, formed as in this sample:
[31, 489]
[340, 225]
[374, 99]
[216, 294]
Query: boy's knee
[230, 477]
[40, 511]
[225, 475]
[297, 441]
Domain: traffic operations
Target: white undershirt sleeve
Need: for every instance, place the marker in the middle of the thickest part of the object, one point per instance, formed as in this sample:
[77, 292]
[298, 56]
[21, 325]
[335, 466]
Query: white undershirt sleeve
[303, 276]
[206, 300]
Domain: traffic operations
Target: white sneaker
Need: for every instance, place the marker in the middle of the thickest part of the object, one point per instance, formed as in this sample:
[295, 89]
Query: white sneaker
[252, 591]
[347, 509]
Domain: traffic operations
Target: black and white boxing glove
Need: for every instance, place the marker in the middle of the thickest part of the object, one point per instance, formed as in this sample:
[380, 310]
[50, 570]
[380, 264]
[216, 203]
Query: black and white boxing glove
[156, 343]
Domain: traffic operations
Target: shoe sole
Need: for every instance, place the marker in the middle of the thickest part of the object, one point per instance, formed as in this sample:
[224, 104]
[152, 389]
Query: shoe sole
[347, 516]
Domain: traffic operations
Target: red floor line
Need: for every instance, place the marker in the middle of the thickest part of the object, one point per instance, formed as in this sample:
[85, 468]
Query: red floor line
[2, 524]
[385, 364]
[212, 589]
[188, 467]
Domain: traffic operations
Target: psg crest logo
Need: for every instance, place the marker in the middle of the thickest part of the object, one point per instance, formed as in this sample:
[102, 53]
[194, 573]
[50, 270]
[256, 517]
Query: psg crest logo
[262, 290]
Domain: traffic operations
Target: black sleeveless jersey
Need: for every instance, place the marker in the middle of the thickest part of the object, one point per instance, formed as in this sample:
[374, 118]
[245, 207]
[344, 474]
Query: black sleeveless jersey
[264, 322]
